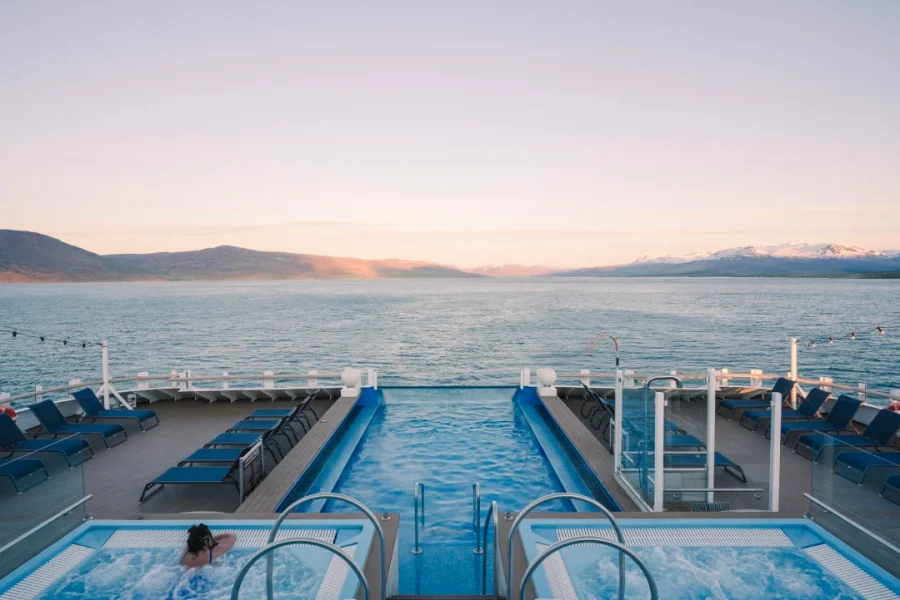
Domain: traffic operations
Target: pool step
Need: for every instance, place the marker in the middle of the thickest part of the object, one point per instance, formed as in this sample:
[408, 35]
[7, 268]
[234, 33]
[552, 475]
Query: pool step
[439, 597]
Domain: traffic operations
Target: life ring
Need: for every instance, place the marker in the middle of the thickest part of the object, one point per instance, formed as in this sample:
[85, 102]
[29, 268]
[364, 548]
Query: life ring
[8, 410]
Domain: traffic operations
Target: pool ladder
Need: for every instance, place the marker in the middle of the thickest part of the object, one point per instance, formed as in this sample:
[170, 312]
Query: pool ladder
[419, 515]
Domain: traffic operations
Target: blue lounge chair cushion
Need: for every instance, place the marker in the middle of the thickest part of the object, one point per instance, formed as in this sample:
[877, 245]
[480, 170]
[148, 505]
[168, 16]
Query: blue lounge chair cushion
[807, 409]
[276, 413]
[782, 386]
[863, 461]
[92, 407]
[17, 469]
[883, 427]
[254, 425]
[892, 482]
[194, 475]
[683, 440]
[54, 422]
[817, 441]
[697, 460]
[766, 413]
[68, 446]
[215, 455]
[837, 420]
[235, 439]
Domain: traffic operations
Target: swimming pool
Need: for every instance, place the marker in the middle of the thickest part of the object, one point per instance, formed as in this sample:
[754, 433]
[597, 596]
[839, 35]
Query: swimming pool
[448, 439]
[128, 560]
[722, 559]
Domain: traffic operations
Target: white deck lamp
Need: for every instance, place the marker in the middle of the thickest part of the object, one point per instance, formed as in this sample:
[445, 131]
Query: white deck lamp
[351, 378]
[546, 378]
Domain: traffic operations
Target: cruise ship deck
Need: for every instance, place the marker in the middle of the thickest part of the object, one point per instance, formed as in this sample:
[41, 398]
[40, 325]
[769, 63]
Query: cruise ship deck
[445, 473]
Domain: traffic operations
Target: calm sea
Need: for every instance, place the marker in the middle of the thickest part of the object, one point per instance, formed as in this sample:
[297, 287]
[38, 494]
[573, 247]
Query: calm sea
[450, 331]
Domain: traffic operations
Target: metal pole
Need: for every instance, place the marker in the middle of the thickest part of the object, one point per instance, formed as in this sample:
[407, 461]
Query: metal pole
[794, 375]
[620, 411]
[416, 548]
[659, 475]
[104, 354]
[775, 453]
[712, 384]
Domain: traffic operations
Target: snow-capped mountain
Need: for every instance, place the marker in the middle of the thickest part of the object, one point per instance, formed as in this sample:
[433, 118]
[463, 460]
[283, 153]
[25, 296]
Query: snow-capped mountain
[787, 250]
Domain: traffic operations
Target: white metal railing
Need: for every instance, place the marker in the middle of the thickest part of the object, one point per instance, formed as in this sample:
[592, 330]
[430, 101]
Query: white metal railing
[184, 377]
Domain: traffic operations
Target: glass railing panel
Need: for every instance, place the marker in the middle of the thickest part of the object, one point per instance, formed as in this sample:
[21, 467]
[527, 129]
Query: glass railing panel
[863, 485]
[638, 441]
[35, 488]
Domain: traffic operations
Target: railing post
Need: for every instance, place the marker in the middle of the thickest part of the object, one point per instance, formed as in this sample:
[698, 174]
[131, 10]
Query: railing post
[268, 380]
[313, 382]
[825, 383]
[775, 453]
[225, 382]
[673, 373]
[143, 380]
[794, 372]
[37, 393]
[756, 382]
[476, 516]
[417, 549]
[586, 380]
[724, 377]
[862, 392]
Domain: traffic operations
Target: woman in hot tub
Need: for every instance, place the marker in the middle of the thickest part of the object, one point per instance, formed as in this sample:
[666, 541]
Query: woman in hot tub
[203, 547]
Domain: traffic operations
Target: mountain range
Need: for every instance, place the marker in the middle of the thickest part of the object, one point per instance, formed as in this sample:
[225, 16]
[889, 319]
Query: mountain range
[33, 257]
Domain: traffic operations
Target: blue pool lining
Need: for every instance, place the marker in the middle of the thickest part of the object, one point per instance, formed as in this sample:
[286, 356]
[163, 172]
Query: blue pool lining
[368, 398]
[813, 535]
[90, 528]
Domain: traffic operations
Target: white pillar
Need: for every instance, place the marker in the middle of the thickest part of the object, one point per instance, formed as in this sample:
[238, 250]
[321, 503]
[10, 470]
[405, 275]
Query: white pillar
[825, 383]
[313, 382]
[711, 386]
[794, 372]
[586, 380]
[775, 453]
[268, 380]
[526, 375]
[724, 379]
[225, 382]
[143, 382]
[673, 373]
[188, 384]
[617, 433]
[37, 395]
[862, 391]
[104, 359]
[659, 475]
[628, 378]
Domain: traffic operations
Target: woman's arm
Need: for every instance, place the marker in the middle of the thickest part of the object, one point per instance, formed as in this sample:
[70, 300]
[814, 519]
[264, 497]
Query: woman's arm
[224, 543]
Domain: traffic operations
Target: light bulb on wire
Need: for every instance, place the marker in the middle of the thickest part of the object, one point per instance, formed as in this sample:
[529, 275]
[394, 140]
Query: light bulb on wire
[853, 335]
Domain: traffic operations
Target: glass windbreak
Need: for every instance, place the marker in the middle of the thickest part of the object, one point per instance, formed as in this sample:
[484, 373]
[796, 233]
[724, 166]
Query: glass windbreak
[715, 460]
[41, 484]
[861, 484]
[639, 441]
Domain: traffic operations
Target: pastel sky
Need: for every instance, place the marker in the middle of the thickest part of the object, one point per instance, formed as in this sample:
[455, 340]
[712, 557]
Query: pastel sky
[463, 132]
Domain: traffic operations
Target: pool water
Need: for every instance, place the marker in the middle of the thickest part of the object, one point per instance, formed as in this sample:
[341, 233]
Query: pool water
[707, 573]
[156, 574]
[448, 439]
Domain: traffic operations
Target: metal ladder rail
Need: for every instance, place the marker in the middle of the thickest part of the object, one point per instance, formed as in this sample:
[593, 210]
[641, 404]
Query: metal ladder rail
[476, 516]
[563, 496]
[417, 549]
[491, 517]
[327, 496]
[269, 548]
[589, 539]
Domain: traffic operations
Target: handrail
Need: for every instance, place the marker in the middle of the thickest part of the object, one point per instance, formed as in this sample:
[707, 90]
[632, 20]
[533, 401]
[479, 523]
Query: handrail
[850, 388]
[589, 539]
[853, 523]
[269, 548]
[327, 496]
[476, 516]
[490, 518]
[562, 496]
[417, 549]
[45, 522]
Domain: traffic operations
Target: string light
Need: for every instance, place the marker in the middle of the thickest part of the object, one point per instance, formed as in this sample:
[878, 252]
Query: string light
[18, 332]
[853, 335]
[880, 329]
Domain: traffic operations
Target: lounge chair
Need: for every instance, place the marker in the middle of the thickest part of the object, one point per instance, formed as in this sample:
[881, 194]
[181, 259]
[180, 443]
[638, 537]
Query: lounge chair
[245, 440]
[807, 410]
[300, 416]
[13, 441]
[55, 424]
[877, 434]
[191, 475]
[280, 426]
[688, 461]
[891, 489]
[232, 472]
[21, 468]
[837, 420]
[856, 465]
[782, 386]
[93, 409]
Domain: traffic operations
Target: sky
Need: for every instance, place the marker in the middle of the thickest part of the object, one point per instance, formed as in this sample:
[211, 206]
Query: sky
[466, 132]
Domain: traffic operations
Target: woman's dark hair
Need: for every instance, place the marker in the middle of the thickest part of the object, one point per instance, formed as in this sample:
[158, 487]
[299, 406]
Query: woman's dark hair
[198, 535]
